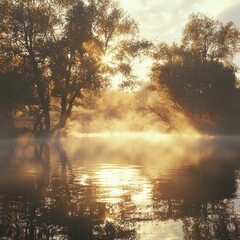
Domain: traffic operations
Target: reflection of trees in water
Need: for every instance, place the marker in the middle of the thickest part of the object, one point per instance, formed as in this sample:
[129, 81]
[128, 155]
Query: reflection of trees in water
[216, 221]
[75, 205]
[53, 206]
[200, 197]
[57, 205]
[21, 195]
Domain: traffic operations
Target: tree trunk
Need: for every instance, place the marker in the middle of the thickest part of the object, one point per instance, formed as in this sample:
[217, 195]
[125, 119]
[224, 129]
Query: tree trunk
[41, 93]
[45, 106]
[63, 119]
[28, 34]
[66, 110]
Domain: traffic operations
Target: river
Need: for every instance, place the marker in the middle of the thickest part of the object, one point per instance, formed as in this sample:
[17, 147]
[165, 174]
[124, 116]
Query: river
[120, 187]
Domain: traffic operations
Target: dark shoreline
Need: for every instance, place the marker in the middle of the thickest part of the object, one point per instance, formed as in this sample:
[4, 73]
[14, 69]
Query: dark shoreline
[14, 133]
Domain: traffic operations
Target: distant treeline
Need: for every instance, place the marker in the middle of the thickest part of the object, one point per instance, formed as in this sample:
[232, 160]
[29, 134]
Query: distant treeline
[55, 55]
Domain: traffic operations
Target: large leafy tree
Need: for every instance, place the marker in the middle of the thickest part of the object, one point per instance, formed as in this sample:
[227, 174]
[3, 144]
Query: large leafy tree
[99, 42]
[200, 87]
[215, 40]
[26, 27]
[66, 48]
[199, 74]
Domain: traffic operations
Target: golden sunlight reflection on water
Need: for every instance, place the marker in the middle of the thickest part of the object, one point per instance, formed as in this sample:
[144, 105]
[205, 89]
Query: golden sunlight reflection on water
[146, 188]
[117, 182]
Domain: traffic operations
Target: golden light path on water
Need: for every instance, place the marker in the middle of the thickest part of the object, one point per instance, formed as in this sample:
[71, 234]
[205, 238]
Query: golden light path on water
[124, 187]
[119, 181]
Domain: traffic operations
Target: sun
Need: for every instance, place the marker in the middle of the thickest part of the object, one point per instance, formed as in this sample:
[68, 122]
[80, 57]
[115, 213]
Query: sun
[107, 59]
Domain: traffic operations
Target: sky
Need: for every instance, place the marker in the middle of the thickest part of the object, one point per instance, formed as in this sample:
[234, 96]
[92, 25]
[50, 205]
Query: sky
[164, 20]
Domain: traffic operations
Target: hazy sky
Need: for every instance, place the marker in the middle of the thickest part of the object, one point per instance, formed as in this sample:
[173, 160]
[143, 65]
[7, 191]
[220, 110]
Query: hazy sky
[164, 20]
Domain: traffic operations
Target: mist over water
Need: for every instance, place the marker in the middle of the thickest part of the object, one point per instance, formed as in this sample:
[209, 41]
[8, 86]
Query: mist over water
[124, 187]
[146, 110]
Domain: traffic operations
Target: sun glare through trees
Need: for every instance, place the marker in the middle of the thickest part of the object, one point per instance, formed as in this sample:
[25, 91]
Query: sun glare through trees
[107, 59]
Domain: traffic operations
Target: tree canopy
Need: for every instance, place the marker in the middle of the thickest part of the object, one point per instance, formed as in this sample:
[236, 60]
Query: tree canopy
[56, 53]
[213, 39]
[199, 73]
[65, 48]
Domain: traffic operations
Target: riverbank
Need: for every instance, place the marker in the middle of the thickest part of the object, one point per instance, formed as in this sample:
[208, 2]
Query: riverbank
[21, 133]
[221, 126]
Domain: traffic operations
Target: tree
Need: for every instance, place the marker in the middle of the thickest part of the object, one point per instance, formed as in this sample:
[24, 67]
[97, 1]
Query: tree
[99, 42]
[26, 27]
[201, 87]
[211, 38]
[199, 74]
[66, 48]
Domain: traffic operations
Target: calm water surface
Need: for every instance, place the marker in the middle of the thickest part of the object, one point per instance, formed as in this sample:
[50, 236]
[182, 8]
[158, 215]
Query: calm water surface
[120, 188]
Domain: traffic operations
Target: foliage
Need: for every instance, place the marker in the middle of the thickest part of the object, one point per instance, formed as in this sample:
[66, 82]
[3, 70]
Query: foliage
[199, 74]
[26, 28]
[15, 94]
[213, 39]
[65, 48]
[93, 50]
[53, 53]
